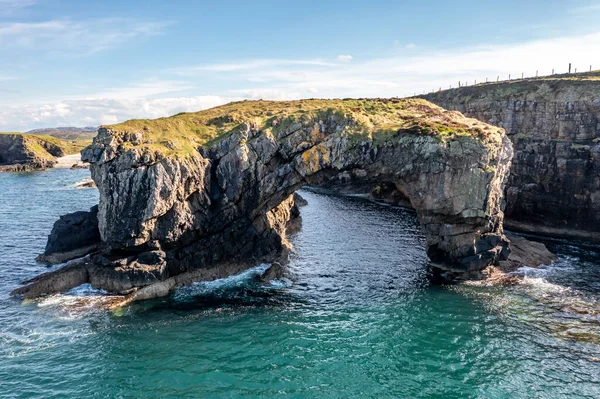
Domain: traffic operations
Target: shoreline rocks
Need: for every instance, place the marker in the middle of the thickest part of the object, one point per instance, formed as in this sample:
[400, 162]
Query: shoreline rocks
[87, 183]
[524, 252]
[27, 152]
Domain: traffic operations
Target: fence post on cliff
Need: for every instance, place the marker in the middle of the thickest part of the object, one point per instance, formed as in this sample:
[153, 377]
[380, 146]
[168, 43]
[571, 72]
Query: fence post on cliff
[569, 67]
[552, 71]
[497, 78]
[509, 76]
[590, 68]
[522, 75]
[536, 73]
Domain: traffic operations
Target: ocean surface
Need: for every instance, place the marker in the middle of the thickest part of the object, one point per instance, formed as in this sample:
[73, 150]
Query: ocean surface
[358, 319]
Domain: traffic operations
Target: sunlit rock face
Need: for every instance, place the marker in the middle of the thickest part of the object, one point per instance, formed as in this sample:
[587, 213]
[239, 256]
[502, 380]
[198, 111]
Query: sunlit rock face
[554, 124]
[19, 152]
[228, 200]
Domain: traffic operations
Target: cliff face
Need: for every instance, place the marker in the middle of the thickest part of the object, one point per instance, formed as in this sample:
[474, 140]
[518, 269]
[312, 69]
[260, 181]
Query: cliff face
[167, 211]
[21, 152]
[554, 124]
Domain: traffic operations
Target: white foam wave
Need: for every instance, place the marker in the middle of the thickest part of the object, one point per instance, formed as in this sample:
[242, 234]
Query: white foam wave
[280, 283]
[543, 286]
[207, 287]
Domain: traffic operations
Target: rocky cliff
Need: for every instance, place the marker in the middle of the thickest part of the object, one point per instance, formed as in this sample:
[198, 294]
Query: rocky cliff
[554, 124]
[21, 152]
[185, 195]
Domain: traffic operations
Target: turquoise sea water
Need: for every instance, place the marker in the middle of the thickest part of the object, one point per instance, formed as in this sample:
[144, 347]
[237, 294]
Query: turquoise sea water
[359, 318]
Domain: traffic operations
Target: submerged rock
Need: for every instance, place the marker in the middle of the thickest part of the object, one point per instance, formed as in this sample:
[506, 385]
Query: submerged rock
[525, 252]
[87, 183]
[273, 272]
[192, 209]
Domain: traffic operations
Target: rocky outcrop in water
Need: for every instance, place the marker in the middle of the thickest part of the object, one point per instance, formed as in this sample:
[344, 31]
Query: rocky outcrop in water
[554, 124]
[73, 236]
[20, 153]
[25, 152]
[168, 216]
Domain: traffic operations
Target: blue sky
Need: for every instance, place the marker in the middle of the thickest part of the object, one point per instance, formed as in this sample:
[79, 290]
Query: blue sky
[76, 63]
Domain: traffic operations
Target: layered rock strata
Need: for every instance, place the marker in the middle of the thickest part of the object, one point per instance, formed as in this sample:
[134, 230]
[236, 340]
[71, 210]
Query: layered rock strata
[554, 124]
[168, 215]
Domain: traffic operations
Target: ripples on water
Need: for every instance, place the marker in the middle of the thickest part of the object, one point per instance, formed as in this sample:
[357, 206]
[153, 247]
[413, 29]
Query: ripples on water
[359, 320]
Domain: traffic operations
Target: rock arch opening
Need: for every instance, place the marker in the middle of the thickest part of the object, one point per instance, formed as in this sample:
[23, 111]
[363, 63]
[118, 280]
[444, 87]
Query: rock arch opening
[164, 220]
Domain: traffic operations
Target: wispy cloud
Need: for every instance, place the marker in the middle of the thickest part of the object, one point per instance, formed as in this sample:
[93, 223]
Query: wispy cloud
[247, 65]
[344, 57]
[16, 3]
[8, 7]
[585, 9]
[75, 38]
[402, 75]
[147, 88]
[409, 46]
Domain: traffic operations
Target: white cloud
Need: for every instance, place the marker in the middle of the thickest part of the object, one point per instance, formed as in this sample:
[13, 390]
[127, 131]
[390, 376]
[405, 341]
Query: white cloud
[74, 38]
[100, 111]
[247, 66]
[409, 46]
[271, 94]
[397, 75]
[344, 57]
[143, 89]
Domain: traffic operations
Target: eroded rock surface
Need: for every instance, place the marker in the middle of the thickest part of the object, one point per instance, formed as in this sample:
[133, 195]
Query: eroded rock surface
[554, 124]
[168, 216]
[73, 235]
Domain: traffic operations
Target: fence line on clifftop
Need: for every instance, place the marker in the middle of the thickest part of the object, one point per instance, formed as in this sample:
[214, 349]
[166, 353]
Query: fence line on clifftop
[510, 79]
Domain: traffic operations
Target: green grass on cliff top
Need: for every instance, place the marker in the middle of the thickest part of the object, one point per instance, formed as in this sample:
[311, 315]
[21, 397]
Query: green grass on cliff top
[584, 85]
[40, 145]
[365, 118]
